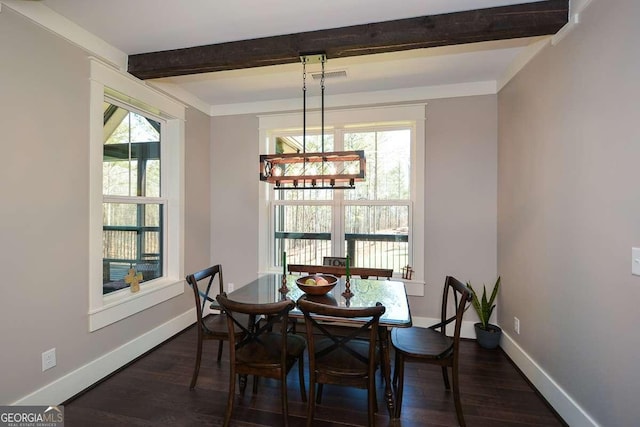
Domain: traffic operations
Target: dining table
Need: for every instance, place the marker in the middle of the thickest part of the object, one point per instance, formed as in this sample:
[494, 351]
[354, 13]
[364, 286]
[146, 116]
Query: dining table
[352, 293]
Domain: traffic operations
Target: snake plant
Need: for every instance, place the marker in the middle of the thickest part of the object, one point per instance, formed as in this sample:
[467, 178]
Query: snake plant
[484, 307]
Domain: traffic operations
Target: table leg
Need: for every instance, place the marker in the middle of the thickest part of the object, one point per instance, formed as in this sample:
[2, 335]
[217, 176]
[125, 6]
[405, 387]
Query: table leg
[385, 359]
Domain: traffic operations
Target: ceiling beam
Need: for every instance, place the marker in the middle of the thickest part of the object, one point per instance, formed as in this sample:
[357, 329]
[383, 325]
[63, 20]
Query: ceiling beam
[497, 23]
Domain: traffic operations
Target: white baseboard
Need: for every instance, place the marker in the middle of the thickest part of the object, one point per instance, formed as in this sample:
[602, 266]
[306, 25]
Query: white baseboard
[565, 406]
[74, 382]
[572, 413]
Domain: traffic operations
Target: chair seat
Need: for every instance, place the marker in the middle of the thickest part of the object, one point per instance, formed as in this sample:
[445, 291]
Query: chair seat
[340, 362]
[421, 343]
[269, 352]
[216, 325]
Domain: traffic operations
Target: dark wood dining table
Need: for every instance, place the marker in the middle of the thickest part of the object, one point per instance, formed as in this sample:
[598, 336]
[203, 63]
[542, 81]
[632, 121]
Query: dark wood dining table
[364, 293]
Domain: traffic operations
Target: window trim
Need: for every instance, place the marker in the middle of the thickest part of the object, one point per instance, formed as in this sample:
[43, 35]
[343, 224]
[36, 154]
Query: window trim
[107, 309]
[345, 119]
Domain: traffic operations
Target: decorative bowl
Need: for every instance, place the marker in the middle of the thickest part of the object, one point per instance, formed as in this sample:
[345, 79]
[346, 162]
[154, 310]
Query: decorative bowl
[314, 289]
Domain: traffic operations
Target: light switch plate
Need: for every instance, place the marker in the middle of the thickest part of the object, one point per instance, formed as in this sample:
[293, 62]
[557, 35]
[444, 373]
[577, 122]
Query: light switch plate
[635, 261]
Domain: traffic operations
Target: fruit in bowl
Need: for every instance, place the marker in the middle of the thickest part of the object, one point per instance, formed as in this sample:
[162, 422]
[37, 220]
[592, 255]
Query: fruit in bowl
[317, 284]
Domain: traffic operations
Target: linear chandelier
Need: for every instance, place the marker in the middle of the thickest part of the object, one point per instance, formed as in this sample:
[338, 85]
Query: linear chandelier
[315, 170]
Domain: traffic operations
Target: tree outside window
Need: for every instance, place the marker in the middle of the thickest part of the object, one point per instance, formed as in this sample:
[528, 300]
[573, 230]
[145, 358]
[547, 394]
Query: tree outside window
[132, 208]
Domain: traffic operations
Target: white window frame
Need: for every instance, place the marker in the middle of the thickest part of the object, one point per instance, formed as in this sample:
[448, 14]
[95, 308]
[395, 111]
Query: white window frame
[107, 309]
[345, 120]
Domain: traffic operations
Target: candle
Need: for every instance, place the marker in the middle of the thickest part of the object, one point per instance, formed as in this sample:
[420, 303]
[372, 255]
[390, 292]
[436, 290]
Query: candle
[347, 266]
[284, 263]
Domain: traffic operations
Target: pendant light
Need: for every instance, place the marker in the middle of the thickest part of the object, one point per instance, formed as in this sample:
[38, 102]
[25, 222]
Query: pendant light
[314, 170]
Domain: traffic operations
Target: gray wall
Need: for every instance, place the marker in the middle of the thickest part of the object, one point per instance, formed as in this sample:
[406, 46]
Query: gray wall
[461, 196]
[198, 184]
[44, 212]
[234, 229]
[569, 210]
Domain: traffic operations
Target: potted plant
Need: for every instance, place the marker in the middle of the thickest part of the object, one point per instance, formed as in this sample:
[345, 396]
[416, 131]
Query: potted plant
[487, 334]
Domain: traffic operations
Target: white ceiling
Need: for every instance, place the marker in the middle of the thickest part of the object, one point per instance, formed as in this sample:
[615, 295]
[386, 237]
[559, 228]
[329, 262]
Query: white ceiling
[150, 25]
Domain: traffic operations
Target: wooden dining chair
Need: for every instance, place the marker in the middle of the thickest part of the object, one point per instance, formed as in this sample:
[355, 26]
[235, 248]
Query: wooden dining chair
[344, 360]
[211, 326]
[265, 350]
[432, 345]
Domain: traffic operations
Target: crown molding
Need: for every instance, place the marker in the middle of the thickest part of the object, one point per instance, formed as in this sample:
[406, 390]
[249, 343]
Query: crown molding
[67, 29]
[361, 98]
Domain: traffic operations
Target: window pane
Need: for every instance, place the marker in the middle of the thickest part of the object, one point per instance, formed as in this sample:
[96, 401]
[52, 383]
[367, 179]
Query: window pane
[303, 232]
[152, 178]
[294, 144]
[388, 155]
[131, 153]
[132, 238]
[119, 177]
[377, 236]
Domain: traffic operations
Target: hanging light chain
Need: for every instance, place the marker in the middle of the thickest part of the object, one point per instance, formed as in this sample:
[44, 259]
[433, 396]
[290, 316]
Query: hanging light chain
[304, 104]
[322, 105]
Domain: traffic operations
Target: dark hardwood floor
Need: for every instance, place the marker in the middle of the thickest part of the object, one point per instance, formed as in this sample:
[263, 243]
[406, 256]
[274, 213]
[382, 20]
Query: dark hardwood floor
[154, 391]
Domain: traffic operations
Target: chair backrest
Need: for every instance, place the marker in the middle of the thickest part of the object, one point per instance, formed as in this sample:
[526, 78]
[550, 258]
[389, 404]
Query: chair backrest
[276, 313]
[461, 295]
[203, 297]
[368, 320]
[338, 270]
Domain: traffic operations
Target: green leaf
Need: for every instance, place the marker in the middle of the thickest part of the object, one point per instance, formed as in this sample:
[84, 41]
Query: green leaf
[494, 294]
[484, 307]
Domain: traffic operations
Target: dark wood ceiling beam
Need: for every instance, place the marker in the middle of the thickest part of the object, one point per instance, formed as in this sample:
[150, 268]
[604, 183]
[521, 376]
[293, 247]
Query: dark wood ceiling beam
[498, 23]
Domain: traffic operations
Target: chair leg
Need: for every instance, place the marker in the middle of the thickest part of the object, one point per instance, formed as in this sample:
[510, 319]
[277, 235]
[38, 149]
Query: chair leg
[283, 397]
[243, 383]
[220, 343]
[456, 398]
[372, 406]
[303, 391]
[232, 392]
[395, 369]
[196, 370]
[255, 384]
[375, 399]
[319, 396]
[311, 404]
[399, 375]
[445, 377]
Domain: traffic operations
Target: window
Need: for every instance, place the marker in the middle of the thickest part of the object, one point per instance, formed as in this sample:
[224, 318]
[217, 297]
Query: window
[133, 208]
[376, 223]
[136, 175]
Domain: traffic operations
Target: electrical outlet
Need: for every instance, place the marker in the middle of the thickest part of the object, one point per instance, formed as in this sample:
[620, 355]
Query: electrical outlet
[231, 287]
[516, 325]
[635, 261]
[48, 359]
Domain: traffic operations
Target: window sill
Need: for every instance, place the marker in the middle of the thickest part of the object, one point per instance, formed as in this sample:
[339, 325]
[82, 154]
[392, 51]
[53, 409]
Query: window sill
[414, 288]
[123, 303]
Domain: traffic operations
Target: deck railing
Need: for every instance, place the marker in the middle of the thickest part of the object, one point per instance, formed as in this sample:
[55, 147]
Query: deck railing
[365, 250]
[125, 247]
